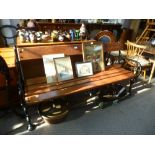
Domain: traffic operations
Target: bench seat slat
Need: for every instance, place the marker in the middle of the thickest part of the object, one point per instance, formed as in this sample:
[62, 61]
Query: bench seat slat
[41, 81]
[40, 88]
[113, 75]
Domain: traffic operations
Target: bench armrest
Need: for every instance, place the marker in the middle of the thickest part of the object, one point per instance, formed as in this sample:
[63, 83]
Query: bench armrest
[133, 66]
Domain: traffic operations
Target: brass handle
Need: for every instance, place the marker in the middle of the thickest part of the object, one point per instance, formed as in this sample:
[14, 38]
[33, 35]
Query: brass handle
[76, 47]
[21, 50]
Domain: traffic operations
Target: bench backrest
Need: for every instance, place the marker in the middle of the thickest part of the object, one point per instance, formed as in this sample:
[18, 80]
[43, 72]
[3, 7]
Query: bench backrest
[32, 62]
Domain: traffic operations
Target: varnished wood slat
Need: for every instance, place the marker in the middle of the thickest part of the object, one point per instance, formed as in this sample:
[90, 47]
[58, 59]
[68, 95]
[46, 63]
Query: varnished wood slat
[95, 77]
[36, 88]
[41, 81]
[76, 87]
[36, 80]
[39, 90]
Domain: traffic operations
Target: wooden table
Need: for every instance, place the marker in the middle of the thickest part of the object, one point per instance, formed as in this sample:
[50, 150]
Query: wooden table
[8, 55]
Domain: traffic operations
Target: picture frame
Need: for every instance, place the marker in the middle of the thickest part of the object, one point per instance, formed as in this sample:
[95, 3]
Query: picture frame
[93, 51]
[64, 68]
[84, 69]
[49, 67]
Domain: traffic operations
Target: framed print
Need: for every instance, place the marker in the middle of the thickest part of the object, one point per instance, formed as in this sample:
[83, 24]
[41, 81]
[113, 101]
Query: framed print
[84, 69]
[49, 67]
[64, 68]
[93, 51]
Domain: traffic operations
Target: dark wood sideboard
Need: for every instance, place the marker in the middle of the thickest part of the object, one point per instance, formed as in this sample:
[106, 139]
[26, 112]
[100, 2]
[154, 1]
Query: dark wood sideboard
[47, 26]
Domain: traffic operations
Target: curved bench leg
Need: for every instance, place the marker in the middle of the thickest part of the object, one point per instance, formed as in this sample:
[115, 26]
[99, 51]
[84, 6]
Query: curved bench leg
[130, 85]
[30, 125]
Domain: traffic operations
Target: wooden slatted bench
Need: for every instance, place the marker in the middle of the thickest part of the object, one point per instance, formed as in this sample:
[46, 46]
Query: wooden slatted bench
[37, 90]
[33, 87]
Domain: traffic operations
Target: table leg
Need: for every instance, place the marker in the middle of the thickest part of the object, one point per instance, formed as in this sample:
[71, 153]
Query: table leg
[152, 71]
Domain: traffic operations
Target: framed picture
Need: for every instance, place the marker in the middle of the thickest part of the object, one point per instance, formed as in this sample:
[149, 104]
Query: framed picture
[93, 51]
[49, 67]
[64, 68]
[84, 69]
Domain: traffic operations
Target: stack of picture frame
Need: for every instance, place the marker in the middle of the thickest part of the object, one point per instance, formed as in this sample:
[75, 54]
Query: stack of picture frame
[93, 52]
[84, 69]
[58, 67]
[64, 68]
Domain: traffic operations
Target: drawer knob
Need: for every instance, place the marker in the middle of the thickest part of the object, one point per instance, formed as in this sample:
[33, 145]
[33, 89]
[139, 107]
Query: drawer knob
[21, 50]
[75, 47]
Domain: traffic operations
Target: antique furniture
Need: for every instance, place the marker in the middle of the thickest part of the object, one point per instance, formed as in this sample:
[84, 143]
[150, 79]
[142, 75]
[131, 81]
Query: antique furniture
[9, 56]
[112, 47]
[30, 56]
[33, 87]
[94, 52]
[105, 36]
[135, 52]
[84, 69]
[64, 68]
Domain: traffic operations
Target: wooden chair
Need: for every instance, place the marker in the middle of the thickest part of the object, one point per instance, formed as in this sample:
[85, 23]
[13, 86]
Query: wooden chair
[105, 36]
[135, 51]
[111, 46]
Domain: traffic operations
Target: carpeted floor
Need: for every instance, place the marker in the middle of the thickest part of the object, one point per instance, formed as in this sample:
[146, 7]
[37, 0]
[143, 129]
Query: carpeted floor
[133, 116]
